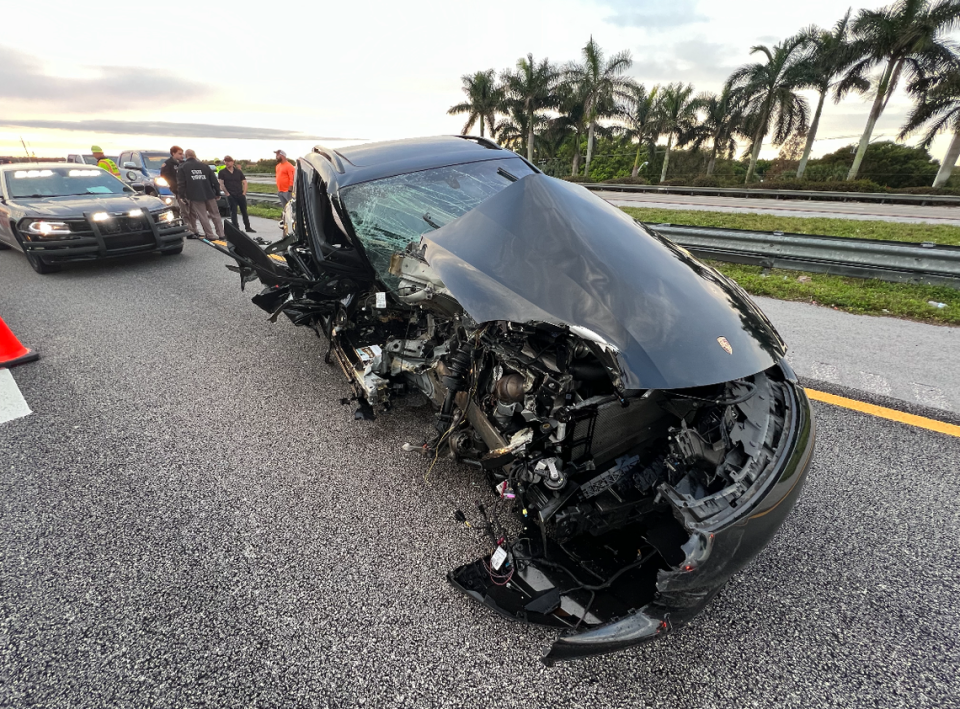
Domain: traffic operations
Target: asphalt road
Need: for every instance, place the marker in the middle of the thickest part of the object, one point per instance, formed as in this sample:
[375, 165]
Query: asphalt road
[789, 208]
[189, 518]
[908, 361]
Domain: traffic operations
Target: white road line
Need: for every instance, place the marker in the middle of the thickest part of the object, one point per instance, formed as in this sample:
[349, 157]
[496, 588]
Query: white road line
[12, 403]
[874, 383]
[930, 395]
[826, 372]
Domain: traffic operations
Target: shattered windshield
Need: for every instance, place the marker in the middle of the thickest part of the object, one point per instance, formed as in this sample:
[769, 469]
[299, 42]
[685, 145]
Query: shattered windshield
[390, 213]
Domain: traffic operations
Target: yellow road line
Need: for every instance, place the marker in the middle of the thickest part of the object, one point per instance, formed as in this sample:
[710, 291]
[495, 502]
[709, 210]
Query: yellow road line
[884, 413]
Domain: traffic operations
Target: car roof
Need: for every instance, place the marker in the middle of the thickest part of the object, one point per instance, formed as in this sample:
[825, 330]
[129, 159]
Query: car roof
[374, 161]
[41, 166]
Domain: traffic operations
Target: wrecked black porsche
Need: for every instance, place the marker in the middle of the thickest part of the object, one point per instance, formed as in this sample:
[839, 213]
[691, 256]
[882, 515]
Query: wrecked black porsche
[630, 404]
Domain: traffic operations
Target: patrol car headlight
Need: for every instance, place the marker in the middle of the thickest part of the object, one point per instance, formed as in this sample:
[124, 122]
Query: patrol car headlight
[168, 200]
[162, 181]
[47, 230]
[167, 216]
[101, 217]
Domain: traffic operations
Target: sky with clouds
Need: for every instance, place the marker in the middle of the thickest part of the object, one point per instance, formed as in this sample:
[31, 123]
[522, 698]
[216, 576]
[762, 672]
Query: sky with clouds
[222, 78]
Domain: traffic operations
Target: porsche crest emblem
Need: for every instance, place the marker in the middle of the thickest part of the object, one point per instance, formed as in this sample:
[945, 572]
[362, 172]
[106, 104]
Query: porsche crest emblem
[725, 345]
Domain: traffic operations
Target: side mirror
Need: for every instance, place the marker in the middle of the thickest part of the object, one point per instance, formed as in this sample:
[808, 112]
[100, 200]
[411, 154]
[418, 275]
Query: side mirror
[139, 188]
[129, 165]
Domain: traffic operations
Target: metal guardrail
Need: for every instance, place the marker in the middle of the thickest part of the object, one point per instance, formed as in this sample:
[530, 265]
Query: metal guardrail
[918, 199]
[895, 261]
[902, 262]
[267, 198]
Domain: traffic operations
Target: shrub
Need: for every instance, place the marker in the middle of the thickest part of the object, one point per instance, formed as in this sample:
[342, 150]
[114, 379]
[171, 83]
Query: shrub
[577, 178]
[816, 172]
[885, 162]
[706, 181]
[833, 186]
[628, 180]
[930, 190]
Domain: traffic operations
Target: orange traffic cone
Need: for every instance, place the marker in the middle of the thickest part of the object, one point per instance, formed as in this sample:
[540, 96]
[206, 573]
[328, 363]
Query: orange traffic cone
[12, 352]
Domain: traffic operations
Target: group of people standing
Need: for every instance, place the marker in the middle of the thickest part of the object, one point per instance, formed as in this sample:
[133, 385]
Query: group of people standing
[197, 188]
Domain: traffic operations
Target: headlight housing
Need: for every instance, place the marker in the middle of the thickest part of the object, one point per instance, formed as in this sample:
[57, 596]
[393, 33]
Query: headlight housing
[166, 216]
[161, 181]
[43, 229]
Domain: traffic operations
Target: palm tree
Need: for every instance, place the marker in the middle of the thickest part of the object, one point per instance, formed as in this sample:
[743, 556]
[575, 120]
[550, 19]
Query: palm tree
[513, 130]
[573, 117]
[483, 99]
[769, 91]
[906, 38]
[832, 53]
[938, 107]
[532, 85]
[555, 133]
[602, 84]
[641, 114]
[677, 115]
[722, 116]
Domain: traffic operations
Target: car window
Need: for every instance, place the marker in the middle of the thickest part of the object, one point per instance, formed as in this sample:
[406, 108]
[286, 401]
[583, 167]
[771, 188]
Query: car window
[135, 159]
[124, 159]
[154, 161]
[390, 213]
[61, 182]
[89, 160]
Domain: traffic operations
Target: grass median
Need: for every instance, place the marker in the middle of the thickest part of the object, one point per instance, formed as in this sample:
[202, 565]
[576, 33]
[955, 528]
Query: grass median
[261, 188]
[853, 295]
[852, 228]
[257, 210]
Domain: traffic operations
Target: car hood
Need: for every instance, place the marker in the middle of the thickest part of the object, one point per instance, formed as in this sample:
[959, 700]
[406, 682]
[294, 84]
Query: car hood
[545, 250]
[76, 206]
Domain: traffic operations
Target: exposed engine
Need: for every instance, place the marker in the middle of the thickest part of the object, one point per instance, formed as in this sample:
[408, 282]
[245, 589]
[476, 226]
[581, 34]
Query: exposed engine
[600, 479]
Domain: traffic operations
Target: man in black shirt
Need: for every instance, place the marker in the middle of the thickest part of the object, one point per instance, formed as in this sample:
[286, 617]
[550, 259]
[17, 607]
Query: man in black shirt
[234, 183]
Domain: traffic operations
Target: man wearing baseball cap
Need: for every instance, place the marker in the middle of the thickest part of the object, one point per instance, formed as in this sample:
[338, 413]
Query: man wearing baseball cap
[285, 173]
[104, 162]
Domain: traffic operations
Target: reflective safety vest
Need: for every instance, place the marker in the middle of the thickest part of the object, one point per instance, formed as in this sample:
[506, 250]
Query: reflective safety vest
[109, 165]
[219, 168]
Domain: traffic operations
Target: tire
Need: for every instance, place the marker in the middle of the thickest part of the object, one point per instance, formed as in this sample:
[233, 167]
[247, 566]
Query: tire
[173, 251]
[37, 263]
[41, 266]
